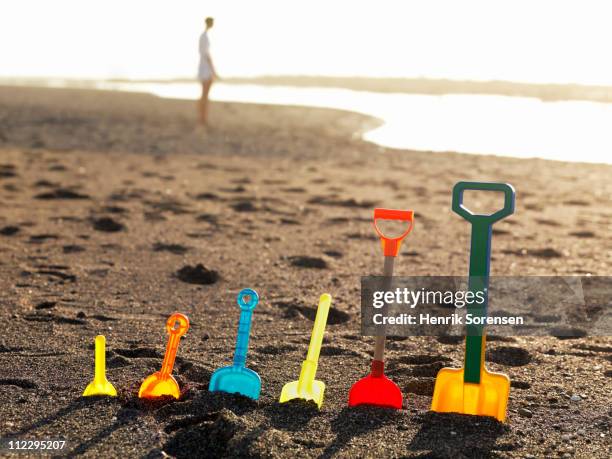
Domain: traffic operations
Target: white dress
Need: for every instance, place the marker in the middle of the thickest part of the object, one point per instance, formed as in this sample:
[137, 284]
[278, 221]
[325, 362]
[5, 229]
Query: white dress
[204, 71]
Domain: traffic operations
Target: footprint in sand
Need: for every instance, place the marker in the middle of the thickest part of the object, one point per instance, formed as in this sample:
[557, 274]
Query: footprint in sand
[276, 349]
[419, 359]
[236, 189]
[103, 318]
[568, 332]
[21, 383]
[244, 206]
[546, 222]
[40, 238]
[117, 361]
[308, 262]
[61, 193]
[207, 197]
[337, 220]
[9, 230]
[289, 221]
[45, 305]
[38, 317]
[362, 236]
[7, 171]
[583, 234]
[45, 184]
[519, 384]
[420, 386]
[294, 189]
[422, 365]
[198, 274]
[173, 206]
[72, 248]
[576, 202]
[332, 351]
[107, 225]
[333, 201]
[56, 272]
[208, 218]
[139, 353]
[449, 339]
[547, 252]
[115, 210]
[295, 309]
[176, 249]
[509, 356]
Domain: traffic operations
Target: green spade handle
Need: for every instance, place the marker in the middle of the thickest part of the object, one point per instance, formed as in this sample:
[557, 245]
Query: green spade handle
[480, 261]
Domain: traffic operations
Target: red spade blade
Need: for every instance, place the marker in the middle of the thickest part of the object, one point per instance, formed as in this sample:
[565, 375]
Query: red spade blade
[376, 389]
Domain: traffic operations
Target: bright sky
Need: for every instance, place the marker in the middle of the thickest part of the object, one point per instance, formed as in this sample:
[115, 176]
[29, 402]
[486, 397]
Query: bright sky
[519, 40]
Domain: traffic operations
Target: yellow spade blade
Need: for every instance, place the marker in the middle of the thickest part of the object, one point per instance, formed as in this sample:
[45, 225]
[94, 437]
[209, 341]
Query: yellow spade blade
[100, 385]
[99, 388]
[292, 391]
[453, 395]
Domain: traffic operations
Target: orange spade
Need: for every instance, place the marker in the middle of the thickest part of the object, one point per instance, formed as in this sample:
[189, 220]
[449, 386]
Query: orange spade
[162, 383]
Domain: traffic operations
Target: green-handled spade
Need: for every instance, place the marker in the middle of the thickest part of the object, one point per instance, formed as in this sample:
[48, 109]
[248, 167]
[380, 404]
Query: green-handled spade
[473, 389]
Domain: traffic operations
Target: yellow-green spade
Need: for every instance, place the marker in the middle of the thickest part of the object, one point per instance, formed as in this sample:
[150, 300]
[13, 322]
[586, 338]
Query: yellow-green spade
[100, 385]
[306, 387]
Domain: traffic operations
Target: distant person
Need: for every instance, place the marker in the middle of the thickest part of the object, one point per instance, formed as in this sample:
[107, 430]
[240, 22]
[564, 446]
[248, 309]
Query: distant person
[206, 72]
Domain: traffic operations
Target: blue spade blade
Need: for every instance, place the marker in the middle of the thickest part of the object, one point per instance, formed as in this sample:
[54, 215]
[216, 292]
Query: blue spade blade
[237, 378]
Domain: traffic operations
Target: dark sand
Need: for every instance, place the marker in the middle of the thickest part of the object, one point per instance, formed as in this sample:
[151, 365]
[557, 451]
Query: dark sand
[105, 197]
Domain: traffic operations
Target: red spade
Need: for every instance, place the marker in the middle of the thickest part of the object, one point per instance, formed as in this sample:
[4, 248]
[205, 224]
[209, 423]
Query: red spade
[376, 389]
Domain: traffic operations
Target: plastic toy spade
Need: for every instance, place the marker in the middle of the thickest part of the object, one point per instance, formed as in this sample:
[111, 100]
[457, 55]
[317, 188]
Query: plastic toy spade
[162, 383]
[306, 387]
[376, 389]
[237, 379]
[473, 389]
[100, 385]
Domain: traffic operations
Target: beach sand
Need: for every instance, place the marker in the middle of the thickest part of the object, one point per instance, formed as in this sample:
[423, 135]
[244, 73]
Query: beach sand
[107, 197]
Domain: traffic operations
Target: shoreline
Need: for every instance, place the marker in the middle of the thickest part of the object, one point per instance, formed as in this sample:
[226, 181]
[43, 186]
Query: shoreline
[375, 127]
[548, 92]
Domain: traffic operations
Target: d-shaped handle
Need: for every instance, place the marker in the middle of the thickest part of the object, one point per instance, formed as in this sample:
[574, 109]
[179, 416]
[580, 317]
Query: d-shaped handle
[463, 211]
[391, 245]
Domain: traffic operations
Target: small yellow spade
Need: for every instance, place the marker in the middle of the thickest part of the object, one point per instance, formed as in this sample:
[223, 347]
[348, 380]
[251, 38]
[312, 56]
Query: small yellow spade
[100, 385]
[307, 388]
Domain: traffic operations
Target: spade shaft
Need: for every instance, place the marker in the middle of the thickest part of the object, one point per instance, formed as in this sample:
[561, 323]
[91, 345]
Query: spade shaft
[100, 359]
[309, 366]
[480, 260]
[170, 355]
[242, 340]
[379, 346]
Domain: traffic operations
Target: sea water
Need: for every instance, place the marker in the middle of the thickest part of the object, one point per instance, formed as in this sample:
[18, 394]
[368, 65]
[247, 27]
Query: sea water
[467, 123]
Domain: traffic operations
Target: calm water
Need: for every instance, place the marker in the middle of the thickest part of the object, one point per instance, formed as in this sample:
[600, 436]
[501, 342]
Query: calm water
[479, 124]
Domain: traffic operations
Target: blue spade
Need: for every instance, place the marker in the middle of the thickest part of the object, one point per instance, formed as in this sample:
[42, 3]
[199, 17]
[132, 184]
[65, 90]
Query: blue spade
[237, 378]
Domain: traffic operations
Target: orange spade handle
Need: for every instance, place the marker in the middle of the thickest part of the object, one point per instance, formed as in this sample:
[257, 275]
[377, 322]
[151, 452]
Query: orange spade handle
[391, 245]
[175, 333]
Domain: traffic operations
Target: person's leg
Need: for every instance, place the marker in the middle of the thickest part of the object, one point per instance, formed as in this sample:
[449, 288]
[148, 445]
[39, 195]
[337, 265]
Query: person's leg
[203, 102]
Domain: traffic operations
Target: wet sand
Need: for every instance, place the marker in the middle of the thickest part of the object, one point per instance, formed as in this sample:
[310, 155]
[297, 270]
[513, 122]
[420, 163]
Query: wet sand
[108, 197]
